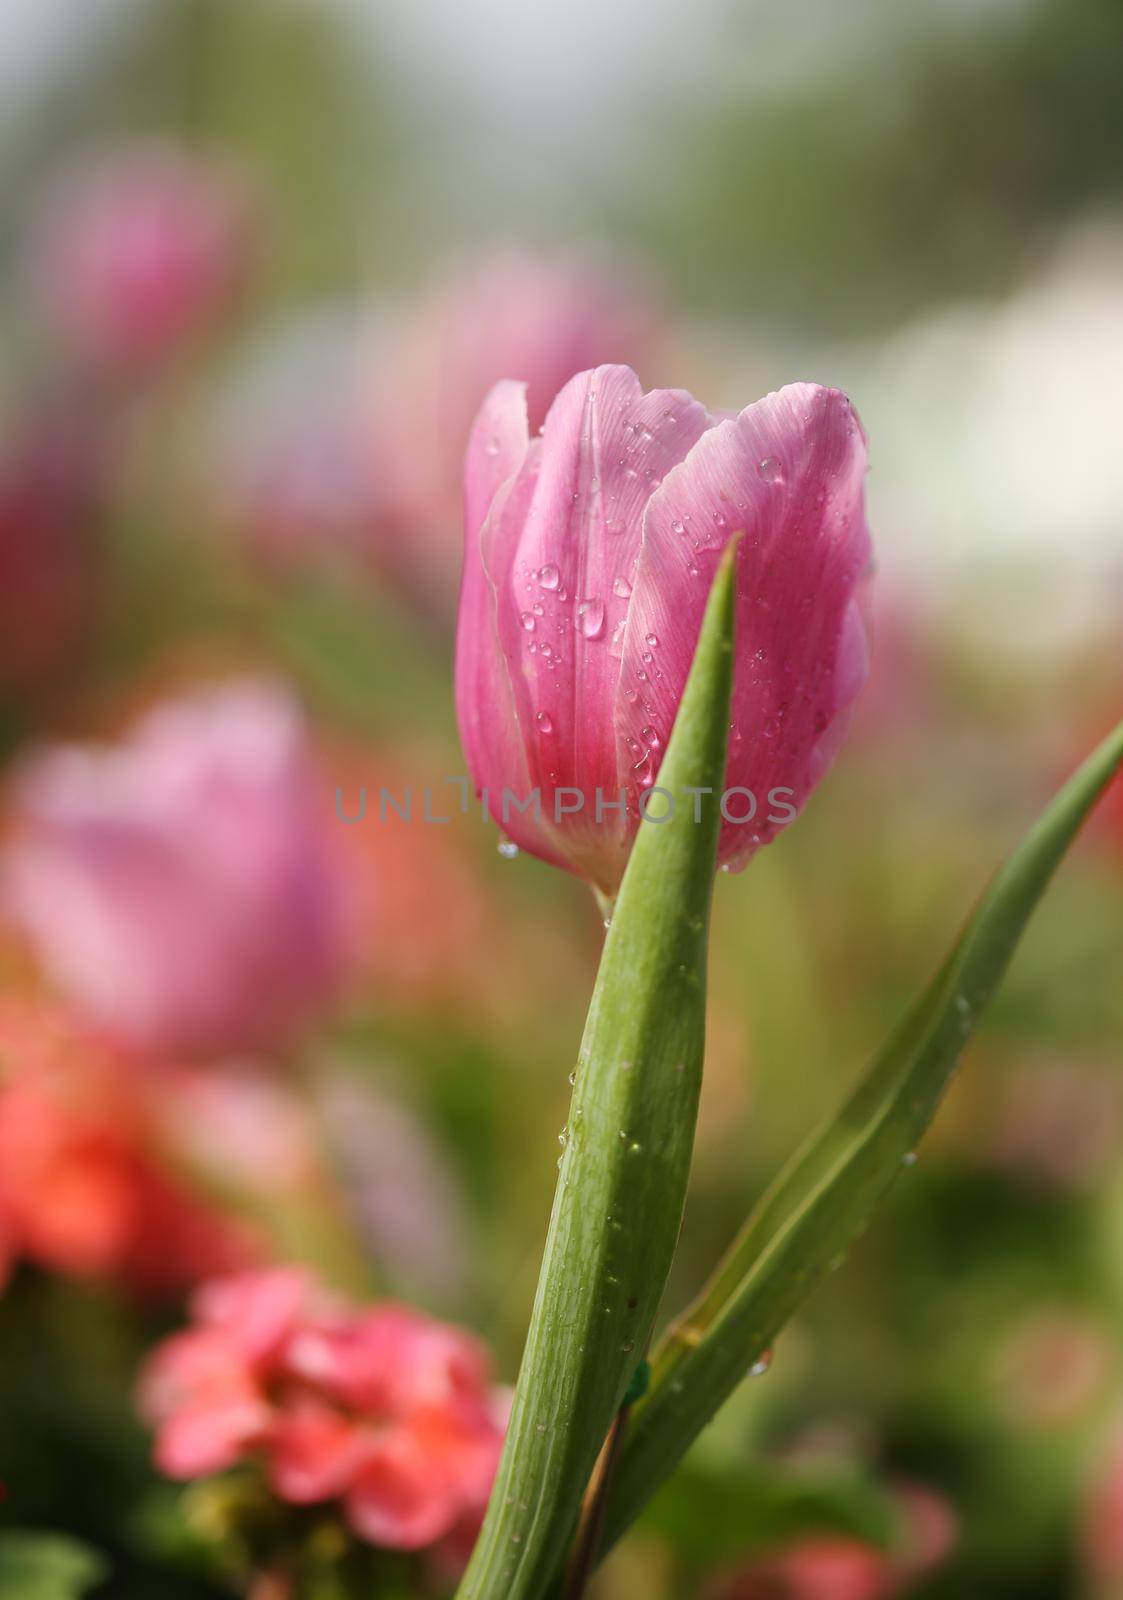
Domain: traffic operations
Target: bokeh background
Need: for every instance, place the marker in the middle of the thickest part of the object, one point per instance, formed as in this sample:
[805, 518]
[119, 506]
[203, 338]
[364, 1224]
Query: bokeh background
[259, 259]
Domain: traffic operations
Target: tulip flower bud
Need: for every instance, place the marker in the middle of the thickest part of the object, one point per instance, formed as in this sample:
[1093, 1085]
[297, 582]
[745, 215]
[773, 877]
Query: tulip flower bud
[135, 254]
[178, 887]
[589, 558]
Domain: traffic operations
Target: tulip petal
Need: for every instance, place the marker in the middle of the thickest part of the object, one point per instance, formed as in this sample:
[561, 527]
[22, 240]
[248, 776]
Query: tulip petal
[485, 712]
[787, 473]
[561, 553]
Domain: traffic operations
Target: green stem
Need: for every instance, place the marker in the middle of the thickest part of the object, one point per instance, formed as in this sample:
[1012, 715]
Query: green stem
[620, 1196]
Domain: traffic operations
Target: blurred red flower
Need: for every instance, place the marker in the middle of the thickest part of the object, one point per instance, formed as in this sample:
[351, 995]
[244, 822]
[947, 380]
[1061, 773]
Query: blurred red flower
[381, 1408]
[83, 1189]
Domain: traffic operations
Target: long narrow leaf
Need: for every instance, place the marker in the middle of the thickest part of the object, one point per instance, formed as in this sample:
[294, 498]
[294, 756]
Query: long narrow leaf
[620, 1194]
[824, 1197]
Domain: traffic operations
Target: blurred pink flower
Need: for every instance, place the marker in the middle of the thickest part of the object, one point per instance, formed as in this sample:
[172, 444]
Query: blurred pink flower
[49, 502]
[137, 251]
[83, 1188]
[1053, 1366]
[512, 315]
[840, 1567]
[383, 1410]
[589, 556]
[179, 887]
[819, 1567]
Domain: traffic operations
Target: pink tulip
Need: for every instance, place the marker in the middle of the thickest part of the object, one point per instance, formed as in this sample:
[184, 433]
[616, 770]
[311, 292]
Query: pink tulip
[137, 252]
[179, 886]
[515, 314]
[590, 553]
[384, 1411]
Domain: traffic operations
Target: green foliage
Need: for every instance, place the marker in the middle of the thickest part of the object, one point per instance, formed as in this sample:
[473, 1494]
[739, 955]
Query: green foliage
[46, 1566]
[825, 1196]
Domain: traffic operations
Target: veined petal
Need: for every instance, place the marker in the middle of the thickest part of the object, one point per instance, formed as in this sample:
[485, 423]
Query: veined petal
[485, 711]
[496, 447]
[787, 474]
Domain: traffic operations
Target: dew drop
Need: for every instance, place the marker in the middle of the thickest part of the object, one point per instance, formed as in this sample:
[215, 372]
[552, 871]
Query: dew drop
[650, 736]
[909, 1159]
[492, 446]
[545, 722]
[770, 469]
[761, 1365]
[652, 640]
[508, 849]
[621, 588]
[527, 621]
[590, 618]
[549, 576]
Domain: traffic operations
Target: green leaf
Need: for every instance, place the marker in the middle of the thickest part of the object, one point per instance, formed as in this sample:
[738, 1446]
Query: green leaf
[46, 1566]
[619, 1200]
[822, 1200]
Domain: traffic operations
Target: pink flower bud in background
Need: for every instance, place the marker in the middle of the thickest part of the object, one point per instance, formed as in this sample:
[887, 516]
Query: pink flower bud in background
[382, 1409]
[513, 315]
[49, 495]
[589, 557]
[137, 252]
[178, 886]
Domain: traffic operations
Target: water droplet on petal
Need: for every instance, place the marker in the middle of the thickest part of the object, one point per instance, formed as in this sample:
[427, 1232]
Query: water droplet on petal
[590, 618]
[527, 621]
[549, 576]
[652, 640]
[621, 588]
[770, 470]
[545, 722]
[492, 446]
